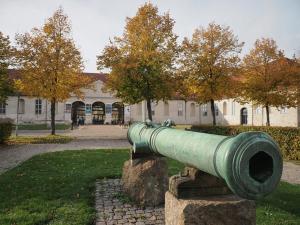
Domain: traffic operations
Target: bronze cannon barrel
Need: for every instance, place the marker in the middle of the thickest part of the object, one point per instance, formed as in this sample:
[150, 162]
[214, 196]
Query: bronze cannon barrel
[250, 163]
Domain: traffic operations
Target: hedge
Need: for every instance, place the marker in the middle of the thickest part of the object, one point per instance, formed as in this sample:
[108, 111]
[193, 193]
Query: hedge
[288, 138]
[5, 129]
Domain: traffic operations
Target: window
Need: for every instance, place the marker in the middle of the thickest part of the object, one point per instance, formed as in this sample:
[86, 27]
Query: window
[204, 110]
[216, 110]
[2, 108]
[180, 108]
[193, 110]
[166, 109]
[233, 108]
[108, 108]
[224, 108]
[258, 110]
[21, 106]
[153, 105]
[283, 110]
[88, 108]
[38, 106]
[68, 108]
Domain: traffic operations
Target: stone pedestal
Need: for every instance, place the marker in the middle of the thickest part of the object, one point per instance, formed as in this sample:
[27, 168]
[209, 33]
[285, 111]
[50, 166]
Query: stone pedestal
[209, 210]
[145, 180]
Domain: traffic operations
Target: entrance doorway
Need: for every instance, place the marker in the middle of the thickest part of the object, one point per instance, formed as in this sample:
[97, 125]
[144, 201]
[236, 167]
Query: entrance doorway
[78, 113]
[117, 113]
[98, 113]
[244, 116]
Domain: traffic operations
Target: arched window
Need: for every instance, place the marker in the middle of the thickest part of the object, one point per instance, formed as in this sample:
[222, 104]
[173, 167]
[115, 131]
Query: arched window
[244, 116]
[224, 108]
[166, 109]
[193, 110]
[21, 106]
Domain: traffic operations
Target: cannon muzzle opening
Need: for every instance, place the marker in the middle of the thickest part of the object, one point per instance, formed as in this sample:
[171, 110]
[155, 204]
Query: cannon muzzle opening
[261, 167]
[254, 166]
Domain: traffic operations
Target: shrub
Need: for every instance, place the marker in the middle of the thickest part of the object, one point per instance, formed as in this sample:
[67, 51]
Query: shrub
[5, 129]
[288, 138]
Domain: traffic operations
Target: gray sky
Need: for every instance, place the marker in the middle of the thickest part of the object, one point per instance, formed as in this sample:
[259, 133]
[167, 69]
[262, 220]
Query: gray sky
[95, 21]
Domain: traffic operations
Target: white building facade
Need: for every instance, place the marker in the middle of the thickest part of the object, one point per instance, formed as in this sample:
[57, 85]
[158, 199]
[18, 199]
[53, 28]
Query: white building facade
[98, 107]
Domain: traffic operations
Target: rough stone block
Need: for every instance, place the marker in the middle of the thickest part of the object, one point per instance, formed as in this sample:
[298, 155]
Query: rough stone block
[145, 180]
[210, 210]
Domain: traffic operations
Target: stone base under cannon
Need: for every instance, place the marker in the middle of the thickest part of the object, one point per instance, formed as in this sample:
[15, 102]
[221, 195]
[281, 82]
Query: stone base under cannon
[198, 198]
[145, 180]
[209, 210]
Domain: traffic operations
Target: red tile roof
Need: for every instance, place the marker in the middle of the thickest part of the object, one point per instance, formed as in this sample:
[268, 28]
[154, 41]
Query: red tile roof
[15, 74]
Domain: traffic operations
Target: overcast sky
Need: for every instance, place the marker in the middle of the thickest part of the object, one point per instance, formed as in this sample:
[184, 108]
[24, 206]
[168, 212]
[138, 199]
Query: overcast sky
[95, 21]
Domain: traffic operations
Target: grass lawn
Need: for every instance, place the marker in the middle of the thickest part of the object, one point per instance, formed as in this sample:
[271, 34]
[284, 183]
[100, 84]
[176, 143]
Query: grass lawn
[55, 139]
[43, 127]
[58, 189]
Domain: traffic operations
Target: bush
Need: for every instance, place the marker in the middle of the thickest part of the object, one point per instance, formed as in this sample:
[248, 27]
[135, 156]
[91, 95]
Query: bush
[288, 138]
[5, 129]
[50, 139]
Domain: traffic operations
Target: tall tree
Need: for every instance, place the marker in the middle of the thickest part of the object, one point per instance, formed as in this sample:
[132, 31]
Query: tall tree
[141, 61]
[51, 65]
[266, 74]
[209, 61]
[5, 60]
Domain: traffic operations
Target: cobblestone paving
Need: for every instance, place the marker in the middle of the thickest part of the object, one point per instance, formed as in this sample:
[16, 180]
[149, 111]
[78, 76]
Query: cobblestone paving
[111, 209]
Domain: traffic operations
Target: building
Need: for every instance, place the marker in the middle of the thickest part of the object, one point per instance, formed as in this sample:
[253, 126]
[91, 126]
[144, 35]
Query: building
[99, 107]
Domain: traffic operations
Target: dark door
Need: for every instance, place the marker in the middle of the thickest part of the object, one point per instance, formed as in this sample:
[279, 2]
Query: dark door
[244, 116]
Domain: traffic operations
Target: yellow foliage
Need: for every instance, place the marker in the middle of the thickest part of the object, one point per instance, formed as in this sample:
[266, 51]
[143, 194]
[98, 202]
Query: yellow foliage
[50, 64]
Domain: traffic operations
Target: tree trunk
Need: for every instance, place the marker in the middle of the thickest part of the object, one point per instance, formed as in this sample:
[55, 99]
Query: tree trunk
[213, 113]
[268, 115]
[149, 110]
[53, 116]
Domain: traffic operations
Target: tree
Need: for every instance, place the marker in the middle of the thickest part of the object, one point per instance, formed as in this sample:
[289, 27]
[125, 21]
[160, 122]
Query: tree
[209, 61]
[6, 51]
[265, 78]
[51, 65]
[141, 61]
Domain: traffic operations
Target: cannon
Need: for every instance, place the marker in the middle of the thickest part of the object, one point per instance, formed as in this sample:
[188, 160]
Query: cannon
[250, 163]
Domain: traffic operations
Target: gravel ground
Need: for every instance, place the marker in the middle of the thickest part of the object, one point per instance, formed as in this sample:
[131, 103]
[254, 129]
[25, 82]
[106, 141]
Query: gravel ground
[112, 210]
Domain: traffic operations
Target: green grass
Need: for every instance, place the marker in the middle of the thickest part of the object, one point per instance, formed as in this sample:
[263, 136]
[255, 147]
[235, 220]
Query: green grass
[57, 139]
[42, 127]
[58, 189]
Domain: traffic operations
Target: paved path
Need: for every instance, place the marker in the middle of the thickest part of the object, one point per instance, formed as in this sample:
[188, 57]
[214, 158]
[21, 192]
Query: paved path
[84, 132]
[291, 173]
[10, 156]
[99, 131]
[111, 210]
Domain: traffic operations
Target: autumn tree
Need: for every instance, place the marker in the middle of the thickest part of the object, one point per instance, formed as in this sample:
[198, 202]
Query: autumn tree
[141, 61]
[51, 65]
[265, 78]
[209, 61]
[6, 53]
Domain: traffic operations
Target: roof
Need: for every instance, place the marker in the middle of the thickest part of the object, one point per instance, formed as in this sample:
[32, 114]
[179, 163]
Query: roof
[15, 74]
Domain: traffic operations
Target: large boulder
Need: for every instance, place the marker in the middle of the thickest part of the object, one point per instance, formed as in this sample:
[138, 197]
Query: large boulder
[145, 180]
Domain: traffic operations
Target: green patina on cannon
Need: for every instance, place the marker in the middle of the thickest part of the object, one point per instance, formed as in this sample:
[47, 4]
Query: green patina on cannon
[250, 163]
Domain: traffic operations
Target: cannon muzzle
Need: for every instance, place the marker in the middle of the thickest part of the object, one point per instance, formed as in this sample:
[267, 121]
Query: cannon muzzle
[250, 163]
